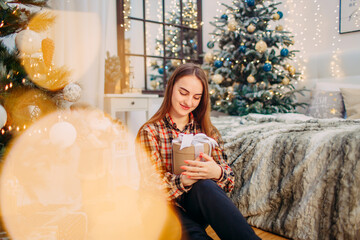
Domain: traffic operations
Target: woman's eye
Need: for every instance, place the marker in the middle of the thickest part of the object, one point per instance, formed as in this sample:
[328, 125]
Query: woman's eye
[182, 93]
[197, 98]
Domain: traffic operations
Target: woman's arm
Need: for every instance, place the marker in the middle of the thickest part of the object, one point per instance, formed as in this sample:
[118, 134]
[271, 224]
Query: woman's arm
[150, 152]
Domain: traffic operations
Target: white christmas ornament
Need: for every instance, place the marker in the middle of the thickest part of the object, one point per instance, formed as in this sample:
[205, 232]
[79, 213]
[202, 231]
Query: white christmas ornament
[261, 46]
[3, 116]
[28, 41]
[217, 78]
[63, 134]
[72, 92]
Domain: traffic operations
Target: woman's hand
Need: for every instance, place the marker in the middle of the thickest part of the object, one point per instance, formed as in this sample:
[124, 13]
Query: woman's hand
[186, 181]
[197, 169]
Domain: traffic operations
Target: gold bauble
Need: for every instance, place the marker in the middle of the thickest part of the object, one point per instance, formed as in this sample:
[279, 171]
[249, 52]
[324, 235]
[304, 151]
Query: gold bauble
[217, 78]
[154, 84]
[229, 80]
[230, 89]
[175, 62]
[287, 66]
[232, 25]
[261, 46]
[285, 81]
[209, 57]
[292, 70]
[279, 28]
[218, 102]
[251, 79]
[276, 16]
[251, 28]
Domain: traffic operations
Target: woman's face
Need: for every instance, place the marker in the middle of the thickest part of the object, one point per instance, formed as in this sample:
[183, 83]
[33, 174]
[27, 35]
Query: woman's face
[186, 96]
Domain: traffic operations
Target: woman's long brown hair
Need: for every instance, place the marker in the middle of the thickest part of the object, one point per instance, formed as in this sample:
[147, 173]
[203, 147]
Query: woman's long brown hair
[202, 112]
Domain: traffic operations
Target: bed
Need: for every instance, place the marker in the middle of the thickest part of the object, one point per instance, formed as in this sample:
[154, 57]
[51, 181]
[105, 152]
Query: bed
[296, 176]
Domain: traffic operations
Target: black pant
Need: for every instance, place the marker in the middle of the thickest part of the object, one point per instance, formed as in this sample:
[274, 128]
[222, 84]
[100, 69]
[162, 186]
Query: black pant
[207, 204]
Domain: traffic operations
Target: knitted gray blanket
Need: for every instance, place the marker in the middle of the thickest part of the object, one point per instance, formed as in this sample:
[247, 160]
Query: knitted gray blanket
[295, 176]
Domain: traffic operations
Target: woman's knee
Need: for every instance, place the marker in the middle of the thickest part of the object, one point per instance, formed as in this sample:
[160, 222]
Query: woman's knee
[205, 185]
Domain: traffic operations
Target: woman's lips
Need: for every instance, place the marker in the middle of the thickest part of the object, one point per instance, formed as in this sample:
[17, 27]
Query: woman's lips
[184, 107]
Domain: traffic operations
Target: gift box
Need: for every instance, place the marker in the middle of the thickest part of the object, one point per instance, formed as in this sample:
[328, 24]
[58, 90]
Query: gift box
[189, 147]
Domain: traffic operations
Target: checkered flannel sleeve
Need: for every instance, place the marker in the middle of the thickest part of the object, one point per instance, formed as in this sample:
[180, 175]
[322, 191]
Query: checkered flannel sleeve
[170, 182]
[227, 178]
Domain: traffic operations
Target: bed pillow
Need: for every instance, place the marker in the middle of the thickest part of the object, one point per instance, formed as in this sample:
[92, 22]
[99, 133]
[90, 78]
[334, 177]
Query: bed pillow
[326, 104]
[352, 102]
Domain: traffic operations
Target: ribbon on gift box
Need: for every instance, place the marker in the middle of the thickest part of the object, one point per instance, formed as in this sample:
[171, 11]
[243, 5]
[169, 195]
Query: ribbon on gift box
[197, 140]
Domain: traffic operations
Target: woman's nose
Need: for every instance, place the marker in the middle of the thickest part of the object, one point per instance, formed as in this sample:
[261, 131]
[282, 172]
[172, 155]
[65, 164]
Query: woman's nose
[189, 101]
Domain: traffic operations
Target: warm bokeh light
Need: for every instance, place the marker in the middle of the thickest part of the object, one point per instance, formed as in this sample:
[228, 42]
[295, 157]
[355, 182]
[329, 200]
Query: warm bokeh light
[71, 175]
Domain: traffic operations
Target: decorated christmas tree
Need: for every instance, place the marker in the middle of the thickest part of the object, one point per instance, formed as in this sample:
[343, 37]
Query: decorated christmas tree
[174, 52]
[251, 71]
[30, 84]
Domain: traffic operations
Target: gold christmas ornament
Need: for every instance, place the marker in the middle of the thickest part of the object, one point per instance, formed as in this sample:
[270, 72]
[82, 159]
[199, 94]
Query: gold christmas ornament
[230, 89]
[153, 63]
[48, 49]
[287, 66]
[209, 57]
[251, 79]
[28, 42]
[261, 46]
[276, 16]
[175, 62]
[279, 28]
[251, 28]
[218, 102]
[285, 81]
[232, 25]
[154, 84]
[217, 78]
[229, 80]
[292, 70]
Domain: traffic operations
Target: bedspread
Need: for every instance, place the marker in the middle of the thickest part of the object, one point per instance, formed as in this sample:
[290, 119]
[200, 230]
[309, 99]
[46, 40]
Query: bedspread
[295, 176]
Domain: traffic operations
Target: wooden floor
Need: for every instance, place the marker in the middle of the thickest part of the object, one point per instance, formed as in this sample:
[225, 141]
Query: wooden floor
[263, 235]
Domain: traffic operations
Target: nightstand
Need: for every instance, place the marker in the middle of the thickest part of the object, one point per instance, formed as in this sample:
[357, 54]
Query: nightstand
[128, 102]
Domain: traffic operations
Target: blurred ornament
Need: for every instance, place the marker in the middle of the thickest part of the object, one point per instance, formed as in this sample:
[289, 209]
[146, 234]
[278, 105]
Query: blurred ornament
[195, 46]
[279, 28]
[284, 52]
[161, 70]
[276, 16]
[287, 66]
[250, 79]
[175, 62]
[218, 63]
[267, 66]
[261, 46]
[232, 25]
[209, 57]
[224, 16]
[251, 28]
[217, 78]
[28, 41]
[242, 48]
[48, 49]
[154, 84]
[210, 44]
[280, 14]
[72, 92]
[230, 89]
[292, 70]
[218, 102]
[153, 63]
[25, 106]
[228, 79]
[250, 3]
[62, 134]
[285, 81]
[3, 116]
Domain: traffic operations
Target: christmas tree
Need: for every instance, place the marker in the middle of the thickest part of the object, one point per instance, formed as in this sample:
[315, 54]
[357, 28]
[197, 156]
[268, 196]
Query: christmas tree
[251, 70]
[174, 52]
[30, 84]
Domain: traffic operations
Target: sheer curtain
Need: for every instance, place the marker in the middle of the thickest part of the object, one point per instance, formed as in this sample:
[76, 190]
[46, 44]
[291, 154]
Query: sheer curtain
[83, 32]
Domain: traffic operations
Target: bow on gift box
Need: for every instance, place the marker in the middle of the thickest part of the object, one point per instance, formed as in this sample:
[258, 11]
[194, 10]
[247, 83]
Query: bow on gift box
[197, 141]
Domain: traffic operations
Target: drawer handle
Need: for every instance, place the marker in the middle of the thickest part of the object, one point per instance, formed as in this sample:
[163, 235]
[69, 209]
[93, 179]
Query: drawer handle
[132, 103]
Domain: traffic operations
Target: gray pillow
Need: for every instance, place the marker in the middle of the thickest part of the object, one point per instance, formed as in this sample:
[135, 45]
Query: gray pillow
[326, 104]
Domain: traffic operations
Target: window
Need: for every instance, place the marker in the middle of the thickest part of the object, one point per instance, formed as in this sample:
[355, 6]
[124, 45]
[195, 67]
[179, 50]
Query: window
[154, 37]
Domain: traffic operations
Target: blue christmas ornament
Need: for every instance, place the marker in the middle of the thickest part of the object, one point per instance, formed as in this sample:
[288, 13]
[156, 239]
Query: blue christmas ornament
[210, 44]
[166, 67]
[284, 52]
[152, 78]
[195, 46]
[267, 66]
[224, 16]
[280, 14]
[250, 3]
[218, 63]
[161, 71]
[242, 48]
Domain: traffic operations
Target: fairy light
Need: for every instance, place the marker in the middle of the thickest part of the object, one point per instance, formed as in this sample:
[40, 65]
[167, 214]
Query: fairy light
[127, 12]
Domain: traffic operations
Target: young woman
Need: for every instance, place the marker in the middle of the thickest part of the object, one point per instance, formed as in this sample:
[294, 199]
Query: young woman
[198, 193]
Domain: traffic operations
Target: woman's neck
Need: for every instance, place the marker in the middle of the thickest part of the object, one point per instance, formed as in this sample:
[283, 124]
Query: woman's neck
[180, 121]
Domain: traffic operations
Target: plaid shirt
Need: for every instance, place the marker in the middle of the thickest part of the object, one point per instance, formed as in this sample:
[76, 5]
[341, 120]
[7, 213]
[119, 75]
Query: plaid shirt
[156, 139]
